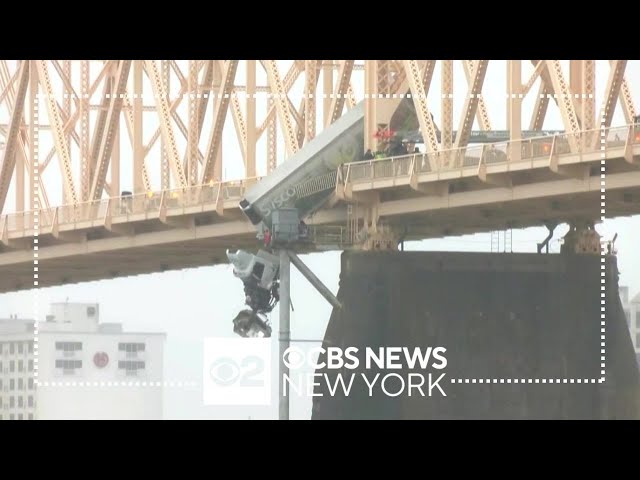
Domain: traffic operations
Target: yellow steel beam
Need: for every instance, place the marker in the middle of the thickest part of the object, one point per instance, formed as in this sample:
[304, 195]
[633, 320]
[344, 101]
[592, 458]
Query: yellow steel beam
[9, 154]
[62, 148]
[111, 127]
[565, 102]
[614, 82]
[282, 105]
[481, 115]
[337, 102]
[420, 100]
[540, 107]
[446, 81]
[193, 133]
[471, 102]
[164, 114]
[220, 115]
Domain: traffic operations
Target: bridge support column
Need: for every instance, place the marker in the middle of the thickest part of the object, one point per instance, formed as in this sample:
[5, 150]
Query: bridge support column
[376, 235]
[582, 237]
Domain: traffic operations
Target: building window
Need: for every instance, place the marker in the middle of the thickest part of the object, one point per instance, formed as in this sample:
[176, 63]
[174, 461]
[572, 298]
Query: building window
[627, 315]
[91, 311]
[30, 384]
[12, 417]
[20, 416]
[30, 346]
[20, 366]
[20, 384]
[30, 401]
[20, 402]
[131, 367]
[12, 385]
[30, 416]
[12, 366]
[131, 349]
[30, 365]
[12, 402]
[637, 340]
[68, 366]
[12, 348]
[69, 346]
[20, 348]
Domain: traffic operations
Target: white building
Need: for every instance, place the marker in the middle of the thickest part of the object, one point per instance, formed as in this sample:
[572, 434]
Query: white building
[632, 313]
[87, 369]
[17, 389]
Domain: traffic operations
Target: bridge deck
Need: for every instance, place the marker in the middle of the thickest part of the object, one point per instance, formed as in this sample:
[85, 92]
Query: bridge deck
[480, 188]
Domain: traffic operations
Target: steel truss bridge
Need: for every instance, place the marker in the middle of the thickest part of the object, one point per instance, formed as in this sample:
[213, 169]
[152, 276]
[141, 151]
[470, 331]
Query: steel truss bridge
[115, 168]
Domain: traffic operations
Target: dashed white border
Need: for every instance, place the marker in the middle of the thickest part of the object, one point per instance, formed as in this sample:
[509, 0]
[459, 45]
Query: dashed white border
[36, 230]
[603, 258]
[103, 384]
[603, 289]
[526, 380]
[36, 298]
[244, 95]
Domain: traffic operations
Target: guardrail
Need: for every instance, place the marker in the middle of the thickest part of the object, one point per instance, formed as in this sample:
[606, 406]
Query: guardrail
[494, 153]
[127, 207]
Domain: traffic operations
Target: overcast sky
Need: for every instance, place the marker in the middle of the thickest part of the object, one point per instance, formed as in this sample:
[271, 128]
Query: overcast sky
[190, 305]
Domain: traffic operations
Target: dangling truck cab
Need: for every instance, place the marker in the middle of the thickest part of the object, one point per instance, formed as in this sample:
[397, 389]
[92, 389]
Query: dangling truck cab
[280, 202]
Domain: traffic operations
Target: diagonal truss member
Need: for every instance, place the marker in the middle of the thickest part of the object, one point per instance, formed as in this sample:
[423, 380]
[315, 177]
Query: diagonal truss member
[164, 114]
[282, 105]
[471, 102]
[614, 83]
[337, 102]
[221, 108]
[108, 136]
[427, 127]
[565, 102]
[58, 132]
[9, 155]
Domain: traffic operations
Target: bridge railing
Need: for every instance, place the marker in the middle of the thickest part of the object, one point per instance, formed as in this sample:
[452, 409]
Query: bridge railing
[150, 204]
[503, 152]
[329, 235]
[126, 207]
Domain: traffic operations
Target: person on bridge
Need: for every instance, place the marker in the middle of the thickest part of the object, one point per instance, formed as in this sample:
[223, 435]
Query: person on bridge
[267, 237]
[303, 230]
[368, 155]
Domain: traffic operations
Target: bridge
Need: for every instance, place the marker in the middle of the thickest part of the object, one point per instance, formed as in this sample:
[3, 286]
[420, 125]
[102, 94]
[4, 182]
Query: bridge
[112, 124]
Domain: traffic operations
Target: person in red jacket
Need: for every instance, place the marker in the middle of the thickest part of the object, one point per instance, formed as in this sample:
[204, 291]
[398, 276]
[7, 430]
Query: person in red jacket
[267, 237]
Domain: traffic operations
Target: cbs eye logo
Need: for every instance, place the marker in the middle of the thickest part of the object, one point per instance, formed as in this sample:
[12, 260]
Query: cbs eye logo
[227, 372]
[294, 358]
